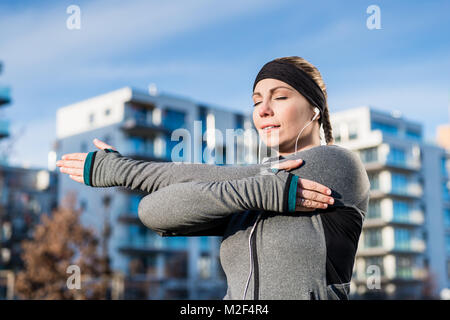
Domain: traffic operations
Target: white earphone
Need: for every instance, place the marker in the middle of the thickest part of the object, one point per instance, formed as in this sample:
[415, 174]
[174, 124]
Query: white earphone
[317, 112]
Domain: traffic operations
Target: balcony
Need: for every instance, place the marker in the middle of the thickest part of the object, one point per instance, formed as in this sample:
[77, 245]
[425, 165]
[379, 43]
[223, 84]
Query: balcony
[128, 218]
[5, 96]
[4, 128]
[138, 126]
[414, 218]
[409, 164]
[414, 246]
[410, 274]
[412, 190]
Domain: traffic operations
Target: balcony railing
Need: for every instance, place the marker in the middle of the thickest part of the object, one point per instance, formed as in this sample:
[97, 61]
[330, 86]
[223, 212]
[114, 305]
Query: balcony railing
[140, 126]
[413, 246]
[411, 273]
[4, 128]
[5, 96]
[409, 163]
[413, 218]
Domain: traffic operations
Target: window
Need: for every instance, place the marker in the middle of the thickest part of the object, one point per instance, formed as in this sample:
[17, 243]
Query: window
[174, 119]
[239, 121]
[176, 242]
[397, 156]
[352, 131]
[134, 203]
[139, 114]
[448, 269]
[372, 238]
[107, 112]
[205, 243]
[401, 211]
[374, 181]
[447, 243]
[369, 155]
[404, 267]
[138, 144]
[444, 166]
[402, 238]
[83, 147]
[384, 127]
[91, 118]
[399, 183]
[445, 191]
[447, 218]
[374, 209]
[414, 135]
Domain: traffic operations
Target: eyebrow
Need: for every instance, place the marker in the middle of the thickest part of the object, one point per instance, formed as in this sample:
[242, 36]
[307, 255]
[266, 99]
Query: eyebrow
[271, 90]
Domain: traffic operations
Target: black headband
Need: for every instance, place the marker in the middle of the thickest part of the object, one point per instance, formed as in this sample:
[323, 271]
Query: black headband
[296, 78]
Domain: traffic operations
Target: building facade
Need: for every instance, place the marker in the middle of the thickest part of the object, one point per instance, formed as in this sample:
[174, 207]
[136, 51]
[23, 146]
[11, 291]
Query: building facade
[401, 253]
[25, 194]
[150, 126]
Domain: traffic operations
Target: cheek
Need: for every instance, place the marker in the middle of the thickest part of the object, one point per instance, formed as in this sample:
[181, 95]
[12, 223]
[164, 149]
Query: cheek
[289, 117]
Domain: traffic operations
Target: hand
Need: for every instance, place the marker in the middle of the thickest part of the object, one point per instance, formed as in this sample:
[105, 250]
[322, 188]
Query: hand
[310, 194]
[73, 163]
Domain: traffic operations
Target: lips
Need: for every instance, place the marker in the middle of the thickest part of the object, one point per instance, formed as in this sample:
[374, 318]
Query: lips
[269, 127]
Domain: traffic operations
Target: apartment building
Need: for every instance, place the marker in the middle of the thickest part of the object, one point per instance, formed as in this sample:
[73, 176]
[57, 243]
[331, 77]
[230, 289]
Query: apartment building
[403, 249]
[25, 194]
[146, 125]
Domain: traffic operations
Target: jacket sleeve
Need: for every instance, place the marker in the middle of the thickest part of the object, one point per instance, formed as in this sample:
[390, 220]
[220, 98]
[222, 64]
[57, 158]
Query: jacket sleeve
[108, 168]
[190, 207]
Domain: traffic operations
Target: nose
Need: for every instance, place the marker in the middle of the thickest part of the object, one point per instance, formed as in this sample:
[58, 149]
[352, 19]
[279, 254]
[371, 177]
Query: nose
[265, 109]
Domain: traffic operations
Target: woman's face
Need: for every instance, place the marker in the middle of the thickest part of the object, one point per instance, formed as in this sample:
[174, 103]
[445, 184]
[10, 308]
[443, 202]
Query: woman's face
[277, 103]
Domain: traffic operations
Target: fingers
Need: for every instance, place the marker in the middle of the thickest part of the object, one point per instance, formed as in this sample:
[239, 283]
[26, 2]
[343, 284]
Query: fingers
[314, 196]
[72, 171]
[70, 163]
[101, 145]
[77, 178]
[73, 167]
[288, 164]
[314, 186]
[310, 204]
[74, 156]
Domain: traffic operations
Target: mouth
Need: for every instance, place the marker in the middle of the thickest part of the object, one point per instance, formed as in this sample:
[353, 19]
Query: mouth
[270, 128]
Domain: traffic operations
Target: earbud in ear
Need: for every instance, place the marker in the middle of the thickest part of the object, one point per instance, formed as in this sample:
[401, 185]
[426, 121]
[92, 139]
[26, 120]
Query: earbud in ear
[317, 112]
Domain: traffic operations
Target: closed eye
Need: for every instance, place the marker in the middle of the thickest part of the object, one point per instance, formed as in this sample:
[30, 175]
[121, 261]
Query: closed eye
[279, 98]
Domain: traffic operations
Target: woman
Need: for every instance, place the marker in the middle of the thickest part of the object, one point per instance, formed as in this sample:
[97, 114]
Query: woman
[285, 235]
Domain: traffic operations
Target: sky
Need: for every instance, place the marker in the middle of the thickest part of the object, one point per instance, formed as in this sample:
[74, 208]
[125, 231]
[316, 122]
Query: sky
[210, 51]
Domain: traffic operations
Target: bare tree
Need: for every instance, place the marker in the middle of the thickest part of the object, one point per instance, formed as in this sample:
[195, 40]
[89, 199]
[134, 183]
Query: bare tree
[58, 242]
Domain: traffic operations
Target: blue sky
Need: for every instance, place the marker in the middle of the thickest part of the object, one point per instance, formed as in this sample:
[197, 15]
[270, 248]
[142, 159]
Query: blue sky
[211, 51]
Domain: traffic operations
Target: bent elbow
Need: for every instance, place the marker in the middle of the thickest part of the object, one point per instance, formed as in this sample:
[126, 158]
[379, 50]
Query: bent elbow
[149, 215]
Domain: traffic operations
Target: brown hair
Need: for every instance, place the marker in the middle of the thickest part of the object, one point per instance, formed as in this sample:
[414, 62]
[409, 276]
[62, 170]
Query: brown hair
[314, 73]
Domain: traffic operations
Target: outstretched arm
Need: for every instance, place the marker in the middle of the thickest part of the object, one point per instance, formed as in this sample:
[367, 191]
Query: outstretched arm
[107, 168]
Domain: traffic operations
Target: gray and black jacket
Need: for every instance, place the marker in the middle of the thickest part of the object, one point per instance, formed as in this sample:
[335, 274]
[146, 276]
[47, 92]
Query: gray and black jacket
[295, 255]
